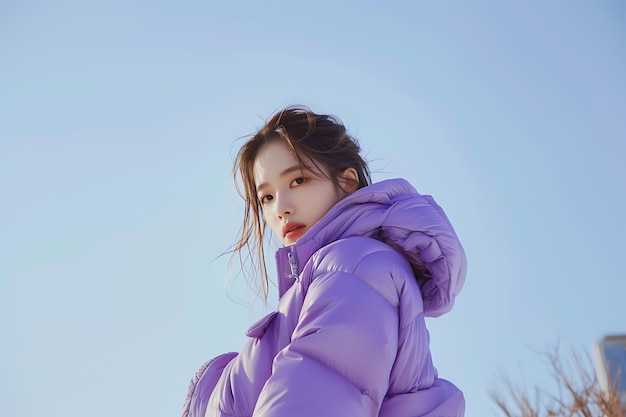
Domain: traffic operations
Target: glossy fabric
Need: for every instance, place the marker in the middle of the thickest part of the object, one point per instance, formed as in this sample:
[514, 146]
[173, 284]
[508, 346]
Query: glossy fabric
[348, 337]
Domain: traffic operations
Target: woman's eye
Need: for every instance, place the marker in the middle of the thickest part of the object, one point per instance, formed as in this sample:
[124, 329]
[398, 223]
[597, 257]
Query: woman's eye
[297, 181]
[266, 199]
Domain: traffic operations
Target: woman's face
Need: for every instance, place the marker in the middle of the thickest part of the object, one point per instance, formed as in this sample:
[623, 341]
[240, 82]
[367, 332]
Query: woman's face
[293, 198]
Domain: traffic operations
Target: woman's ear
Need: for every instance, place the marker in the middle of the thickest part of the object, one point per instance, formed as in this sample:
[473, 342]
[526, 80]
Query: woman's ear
[349, 180]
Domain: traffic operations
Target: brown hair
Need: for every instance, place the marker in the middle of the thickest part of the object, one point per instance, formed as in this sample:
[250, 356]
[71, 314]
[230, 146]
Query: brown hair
[313, 138]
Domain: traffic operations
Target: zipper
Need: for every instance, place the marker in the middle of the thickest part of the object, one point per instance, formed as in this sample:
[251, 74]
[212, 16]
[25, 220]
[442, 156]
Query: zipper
[293, 264]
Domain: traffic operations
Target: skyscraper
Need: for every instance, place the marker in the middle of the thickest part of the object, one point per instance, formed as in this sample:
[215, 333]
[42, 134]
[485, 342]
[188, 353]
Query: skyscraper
[610, 354]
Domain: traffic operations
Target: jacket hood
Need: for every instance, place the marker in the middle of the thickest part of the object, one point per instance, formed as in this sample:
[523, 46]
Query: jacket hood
[394, 212]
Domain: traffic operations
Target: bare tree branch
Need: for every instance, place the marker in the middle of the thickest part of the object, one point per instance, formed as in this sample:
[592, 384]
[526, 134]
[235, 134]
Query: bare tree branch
[580, 393]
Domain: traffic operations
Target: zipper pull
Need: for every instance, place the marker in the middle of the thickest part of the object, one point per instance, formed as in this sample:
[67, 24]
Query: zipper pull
[293, 263]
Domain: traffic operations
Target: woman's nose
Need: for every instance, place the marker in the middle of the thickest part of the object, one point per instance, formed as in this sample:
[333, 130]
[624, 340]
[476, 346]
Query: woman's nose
[284, 207]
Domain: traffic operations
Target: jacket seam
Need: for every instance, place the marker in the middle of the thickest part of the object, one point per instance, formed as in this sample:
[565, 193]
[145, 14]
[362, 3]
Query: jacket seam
[363, 258]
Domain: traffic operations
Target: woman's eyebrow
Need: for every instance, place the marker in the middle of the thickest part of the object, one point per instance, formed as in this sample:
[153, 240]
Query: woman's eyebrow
[282, 174]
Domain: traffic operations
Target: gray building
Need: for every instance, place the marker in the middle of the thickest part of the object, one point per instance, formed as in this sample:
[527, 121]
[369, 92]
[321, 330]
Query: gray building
[610, 354]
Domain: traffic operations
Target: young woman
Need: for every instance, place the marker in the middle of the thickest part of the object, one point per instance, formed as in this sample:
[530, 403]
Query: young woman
[360, 267]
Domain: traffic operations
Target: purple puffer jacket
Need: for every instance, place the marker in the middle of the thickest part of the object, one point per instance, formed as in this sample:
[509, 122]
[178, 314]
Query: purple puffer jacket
[348, 337]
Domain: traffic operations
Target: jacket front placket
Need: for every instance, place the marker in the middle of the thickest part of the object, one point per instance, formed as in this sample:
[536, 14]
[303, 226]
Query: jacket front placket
[289, 263]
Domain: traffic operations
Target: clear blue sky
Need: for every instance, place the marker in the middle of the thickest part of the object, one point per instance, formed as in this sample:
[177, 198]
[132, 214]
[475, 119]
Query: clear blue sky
[119, 120]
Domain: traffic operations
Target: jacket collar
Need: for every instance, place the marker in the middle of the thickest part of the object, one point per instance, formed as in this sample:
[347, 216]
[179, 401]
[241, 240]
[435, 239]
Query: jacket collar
[289, 263]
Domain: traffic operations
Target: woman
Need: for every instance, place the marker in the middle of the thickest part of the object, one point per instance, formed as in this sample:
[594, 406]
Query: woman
[361, 267]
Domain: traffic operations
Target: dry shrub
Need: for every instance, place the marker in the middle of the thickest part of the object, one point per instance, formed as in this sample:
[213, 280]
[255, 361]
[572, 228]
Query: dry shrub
[579, 393]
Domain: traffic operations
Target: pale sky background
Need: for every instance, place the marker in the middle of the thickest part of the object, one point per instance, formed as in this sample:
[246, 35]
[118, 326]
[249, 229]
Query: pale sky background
[119, 121]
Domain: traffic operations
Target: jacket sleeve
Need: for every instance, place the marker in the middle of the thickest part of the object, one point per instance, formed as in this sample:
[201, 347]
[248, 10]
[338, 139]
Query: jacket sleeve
[202, 385]
[341, 354]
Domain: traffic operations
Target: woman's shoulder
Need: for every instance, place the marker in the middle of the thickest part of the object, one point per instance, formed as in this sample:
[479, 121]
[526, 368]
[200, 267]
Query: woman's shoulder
[352, 251]
[370, 260]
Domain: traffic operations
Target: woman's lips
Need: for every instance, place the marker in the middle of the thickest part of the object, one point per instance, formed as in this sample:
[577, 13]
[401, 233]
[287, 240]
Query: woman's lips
[294, 232]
